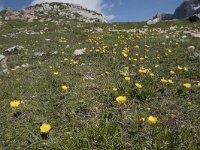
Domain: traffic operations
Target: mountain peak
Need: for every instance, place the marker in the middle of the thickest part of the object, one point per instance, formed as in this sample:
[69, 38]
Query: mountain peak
[186, 9]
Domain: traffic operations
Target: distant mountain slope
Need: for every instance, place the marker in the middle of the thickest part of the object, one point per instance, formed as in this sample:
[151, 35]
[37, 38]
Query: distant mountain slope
[53, 11]
[186, 9]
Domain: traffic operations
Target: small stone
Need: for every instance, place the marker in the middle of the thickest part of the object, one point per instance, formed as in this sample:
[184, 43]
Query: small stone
[5, 70]
[191, 48]
[184, 36]
[25, 65]
[79, 52]
[38, 54]
[197, 34]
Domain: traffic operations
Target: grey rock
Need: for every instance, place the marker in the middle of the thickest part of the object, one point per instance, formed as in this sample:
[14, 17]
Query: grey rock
[25, 65]
[184, 36]
[53, 53]
[3, 61]
[2, 57]
[153, 21]
[5, 70]
[79, 52]
[14, 49]
[191, 48]
[194, 18]
[88, 76]
[196, 34]
[45, 11]
[38, 54]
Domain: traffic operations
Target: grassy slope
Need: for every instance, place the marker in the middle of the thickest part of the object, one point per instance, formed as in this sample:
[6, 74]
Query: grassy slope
[87, 116]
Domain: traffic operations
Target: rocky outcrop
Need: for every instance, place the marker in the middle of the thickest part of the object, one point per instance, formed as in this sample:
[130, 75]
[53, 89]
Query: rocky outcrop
[14, 49]
[53, 11]
[186, 9]
[153, 21]
[194, 18]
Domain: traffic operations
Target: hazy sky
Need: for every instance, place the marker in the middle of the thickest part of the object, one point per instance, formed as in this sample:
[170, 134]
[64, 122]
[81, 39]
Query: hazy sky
[118, 10]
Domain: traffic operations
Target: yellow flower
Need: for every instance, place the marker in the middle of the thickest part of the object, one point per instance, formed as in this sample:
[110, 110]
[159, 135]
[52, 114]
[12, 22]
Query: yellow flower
[156, 66]
[198, 85]
[55, 73]
[189, 103]
[172, 72]
[163, 80]
[141, 58]
[139, 86]
[65, 88]
[152, 75]
[170, 81]
[152, 120]
[15, 103]
[127, 78]
[45, 127]
[125, 55]
[121, 99]
[186, 69]
[187, 85]
[114, 89]
[142, 70]
[180, 68]
[137, 46]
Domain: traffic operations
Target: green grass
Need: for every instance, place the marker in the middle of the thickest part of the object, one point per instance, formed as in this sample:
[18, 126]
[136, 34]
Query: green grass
[88, 116]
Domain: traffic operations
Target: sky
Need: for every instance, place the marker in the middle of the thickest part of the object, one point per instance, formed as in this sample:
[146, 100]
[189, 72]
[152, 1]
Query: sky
[116, 10]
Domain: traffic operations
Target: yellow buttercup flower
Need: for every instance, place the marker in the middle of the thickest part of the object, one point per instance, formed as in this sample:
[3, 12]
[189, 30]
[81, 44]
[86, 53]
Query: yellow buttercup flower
[15, 103]
[65, 59]
[139, 86]
[152, 120]
[141, 58]
[198, 85]
[187, 85]
[65, 88]
[186, 69]
[180, 68]
[56, 73]
[114, 89]
[189, 103]
[45, 128]
[170, 81]
[121, 99]
[152, 75]
[127, 78]
[142, 70]
[137, 46]
[172, 72]
[163, 80]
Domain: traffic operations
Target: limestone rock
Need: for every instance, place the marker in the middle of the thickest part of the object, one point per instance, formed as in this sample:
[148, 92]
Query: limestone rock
[14, 49]
[153, 21]
[2, 57]
[196, 34]
[79, 52]
[191, 48]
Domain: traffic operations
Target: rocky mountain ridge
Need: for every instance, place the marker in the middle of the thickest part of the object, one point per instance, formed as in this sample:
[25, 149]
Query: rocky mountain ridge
[186, 9]
[52, 11]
